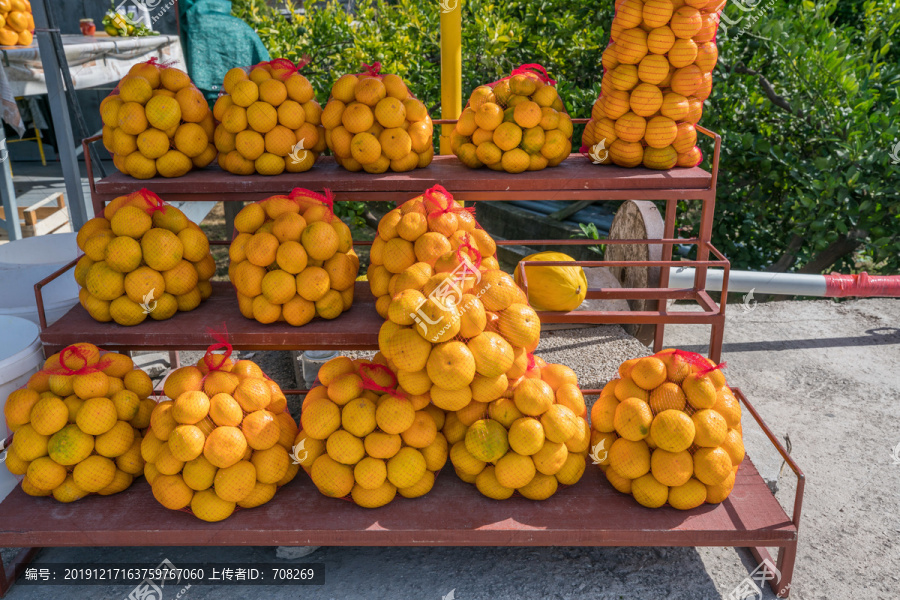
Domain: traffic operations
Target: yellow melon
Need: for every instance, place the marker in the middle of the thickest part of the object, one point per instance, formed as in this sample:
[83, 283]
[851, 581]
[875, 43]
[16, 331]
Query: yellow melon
[553, 288]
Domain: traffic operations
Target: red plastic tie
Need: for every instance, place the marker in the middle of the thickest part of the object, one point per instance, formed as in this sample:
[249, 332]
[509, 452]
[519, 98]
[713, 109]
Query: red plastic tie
[535, 69]
[154, 202]
[371, 384]
[435, 206]
[697, 361]
[161, 65]
[222, 344]
[474, 255]
[326, 199]
[531, 362]
[283, 64]
[85, 369]
[372, 69]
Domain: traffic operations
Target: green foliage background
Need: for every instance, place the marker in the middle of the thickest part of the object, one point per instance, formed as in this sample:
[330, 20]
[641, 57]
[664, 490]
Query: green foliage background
[805, 97]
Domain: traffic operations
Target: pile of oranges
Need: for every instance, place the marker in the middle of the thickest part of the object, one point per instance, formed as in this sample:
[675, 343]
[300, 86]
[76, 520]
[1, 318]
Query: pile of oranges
[78, 423]
[221, 440]
[516, 124]
[460, 333]
[668, 430]
[373, 123]
[16, 23]
[362, 438]
[292, 259]
[142, 257]
[156, 122]
[269, 120]
[657, 73]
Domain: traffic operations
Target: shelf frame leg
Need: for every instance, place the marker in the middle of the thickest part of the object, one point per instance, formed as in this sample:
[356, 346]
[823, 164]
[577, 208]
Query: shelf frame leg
[787, 556]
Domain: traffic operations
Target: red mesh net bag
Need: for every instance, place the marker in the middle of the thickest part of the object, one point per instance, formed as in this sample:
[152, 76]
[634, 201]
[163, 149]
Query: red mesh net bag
[221, 439]
[515, 124]
[364, 439]
[268, 120]
[77, 424]
[156, 122]
[292, 259]
[142, 258]
[374, 123]
[657, 71]
[668, 431]
[460, 332]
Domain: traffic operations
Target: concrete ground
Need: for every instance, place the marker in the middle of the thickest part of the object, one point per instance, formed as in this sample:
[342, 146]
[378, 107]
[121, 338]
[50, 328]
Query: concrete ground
[824, 374]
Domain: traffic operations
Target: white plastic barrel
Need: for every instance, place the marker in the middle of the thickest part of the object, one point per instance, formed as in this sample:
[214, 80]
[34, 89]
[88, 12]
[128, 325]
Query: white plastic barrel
[21, 355]
[25, 262]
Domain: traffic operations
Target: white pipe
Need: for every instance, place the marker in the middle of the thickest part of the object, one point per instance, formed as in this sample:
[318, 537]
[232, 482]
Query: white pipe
[759, 282]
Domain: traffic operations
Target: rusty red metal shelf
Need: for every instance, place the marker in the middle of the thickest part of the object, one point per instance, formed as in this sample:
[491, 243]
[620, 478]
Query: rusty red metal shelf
[589, 513]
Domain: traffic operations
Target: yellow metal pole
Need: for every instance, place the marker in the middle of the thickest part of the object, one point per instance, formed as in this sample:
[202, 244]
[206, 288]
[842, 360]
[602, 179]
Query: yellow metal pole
[451, 67]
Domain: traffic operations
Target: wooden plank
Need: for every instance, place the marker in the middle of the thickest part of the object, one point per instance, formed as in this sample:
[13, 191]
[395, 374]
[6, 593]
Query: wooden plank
[576, 174]
[355, 329]
[50, 223]
[590, 513]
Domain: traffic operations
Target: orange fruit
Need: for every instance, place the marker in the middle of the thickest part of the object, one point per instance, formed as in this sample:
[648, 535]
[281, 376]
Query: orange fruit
[712, 466]
[533, 397]
[648, 372]
[451, 365]
[711, 428]
[633, 419]
[672, 430]
[629, 459]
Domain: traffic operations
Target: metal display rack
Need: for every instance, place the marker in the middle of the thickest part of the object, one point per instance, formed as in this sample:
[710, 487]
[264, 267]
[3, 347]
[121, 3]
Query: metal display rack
[587, 514]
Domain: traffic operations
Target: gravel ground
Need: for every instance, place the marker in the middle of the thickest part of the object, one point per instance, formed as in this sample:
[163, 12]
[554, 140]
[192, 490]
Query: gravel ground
[823, 373]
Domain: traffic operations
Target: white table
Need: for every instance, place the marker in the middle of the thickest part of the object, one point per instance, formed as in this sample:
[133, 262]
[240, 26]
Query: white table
[92, 62]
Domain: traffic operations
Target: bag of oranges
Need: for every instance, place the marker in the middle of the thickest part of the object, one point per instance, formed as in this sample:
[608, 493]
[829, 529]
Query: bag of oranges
[657, 71]
[156, 122]
[362, 438]
[142, 257]
[77, 424]
[515, 124]
[374, 123]
[268, 120]
[460, 332]
[18, 28]
[292, 259]
[425, 236]
[668, 430]
[221, 439]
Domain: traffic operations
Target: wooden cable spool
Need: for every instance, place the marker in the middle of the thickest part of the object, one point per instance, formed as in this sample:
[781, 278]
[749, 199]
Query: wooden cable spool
[637, 220]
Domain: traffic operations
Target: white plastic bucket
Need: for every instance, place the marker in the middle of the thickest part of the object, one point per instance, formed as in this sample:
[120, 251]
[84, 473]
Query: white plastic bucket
[21, 355]
[25, 262]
